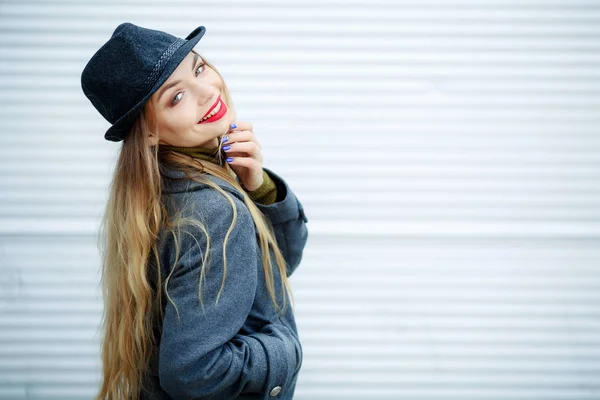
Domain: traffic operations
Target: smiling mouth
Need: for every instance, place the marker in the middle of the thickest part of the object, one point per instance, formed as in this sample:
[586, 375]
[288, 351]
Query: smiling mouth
[217, 112]
[213, 109]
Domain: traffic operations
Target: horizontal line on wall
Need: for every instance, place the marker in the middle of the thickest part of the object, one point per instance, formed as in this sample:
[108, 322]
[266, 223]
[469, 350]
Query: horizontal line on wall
[89, 226]
[510, 5]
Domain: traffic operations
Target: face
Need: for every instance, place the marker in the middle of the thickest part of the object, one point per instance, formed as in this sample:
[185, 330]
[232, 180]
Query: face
[184, 99]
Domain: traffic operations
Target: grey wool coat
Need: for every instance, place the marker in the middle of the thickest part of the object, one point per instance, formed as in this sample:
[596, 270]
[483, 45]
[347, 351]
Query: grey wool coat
[240, 348]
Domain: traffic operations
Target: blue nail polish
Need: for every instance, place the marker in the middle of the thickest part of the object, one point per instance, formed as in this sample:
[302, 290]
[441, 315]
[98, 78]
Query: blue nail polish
[233, 125]
[229, 159]
[225, 138]
[226, 147]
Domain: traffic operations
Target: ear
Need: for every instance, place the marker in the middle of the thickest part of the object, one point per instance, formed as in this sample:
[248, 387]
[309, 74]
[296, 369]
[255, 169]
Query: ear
[150, 123]
[152, 139]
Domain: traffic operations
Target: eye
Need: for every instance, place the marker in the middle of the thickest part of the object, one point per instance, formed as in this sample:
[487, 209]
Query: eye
[173, 102]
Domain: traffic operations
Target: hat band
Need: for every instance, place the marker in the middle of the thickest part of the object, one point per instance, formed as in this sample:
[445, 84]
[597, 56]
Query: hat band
[151, 79]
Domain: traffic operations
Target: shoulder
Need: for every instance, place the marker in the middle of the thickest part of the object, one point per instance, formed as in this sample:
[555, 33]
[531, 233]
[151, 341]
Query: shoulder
[180, 191]
[176, 181]
[217, 206]
[203, 217]
[210, 206]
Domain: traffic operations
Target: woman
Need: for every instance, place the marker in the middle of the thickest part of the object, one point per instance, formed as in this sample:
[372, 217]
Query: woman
[198, 238]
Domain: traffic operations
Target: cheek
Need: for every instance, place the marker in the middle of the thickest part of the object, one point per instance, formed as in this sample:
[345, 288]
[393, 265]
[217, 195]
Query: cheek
[183, 117]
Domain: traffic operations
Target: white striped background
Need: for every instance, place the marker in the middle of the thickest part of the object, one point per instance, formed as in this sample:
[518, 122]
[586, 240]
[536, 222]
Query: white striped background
[447, 154]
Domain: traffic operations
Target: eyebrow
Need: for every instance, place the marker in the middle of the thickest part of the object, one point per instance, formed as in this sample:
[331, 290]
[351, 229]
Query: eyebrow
[170, 85]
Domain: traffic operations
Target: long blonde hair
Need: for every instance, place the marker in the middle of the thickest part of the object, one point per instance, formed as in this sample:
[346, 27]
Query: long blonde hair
[128, 235]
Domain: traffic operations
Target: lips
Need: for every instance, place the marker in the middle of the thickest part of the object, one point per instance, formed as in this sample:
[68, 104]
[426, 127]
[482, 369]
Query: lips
[211, 108]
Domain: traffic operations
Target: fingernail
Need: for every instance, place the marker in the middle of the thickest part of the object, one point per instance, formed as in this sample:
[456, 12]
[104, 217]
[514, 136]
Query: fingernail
[224, 139]
[229, 159]
[233, 125]
[226, 147]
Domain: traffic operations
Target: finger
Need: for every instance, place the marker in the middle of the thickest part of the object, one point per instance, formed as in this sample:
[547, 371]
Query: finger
[242, 126]
[250, 148]
[240, 136]
[247, 162]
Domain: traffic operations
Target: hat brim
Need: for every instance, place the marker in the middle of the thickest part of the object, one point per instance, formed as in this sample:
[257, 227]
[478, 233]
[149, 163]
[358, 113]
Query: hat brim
[121, 128]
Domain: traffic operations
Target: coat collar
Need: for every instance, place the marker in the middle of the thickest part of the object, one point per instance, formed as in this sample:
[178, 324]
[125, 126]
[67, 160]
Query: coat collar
[176, 181]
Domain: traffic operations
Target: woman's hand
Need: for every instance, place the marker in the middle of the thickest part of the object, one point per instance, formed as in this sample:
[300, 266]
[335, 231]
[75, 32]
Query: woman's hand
[245, 152]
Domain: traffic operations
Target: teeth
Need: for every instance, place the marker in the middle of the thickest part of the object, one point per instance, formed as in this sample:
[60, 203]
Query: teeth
[213, 112]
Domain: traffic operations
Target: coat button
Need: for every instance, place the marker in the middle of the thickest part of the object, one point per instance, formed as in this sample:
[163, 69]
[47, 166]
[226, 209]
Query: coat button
[275, 391]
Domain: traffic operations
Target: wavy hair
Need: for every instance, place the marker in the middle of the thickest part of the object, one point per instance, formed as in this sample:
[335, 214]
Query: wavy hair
[128, 240]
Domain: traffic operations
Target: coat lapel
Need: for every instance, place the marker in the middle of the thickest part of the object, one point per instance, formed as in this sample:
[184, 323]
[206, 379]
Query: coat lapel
[176, 181]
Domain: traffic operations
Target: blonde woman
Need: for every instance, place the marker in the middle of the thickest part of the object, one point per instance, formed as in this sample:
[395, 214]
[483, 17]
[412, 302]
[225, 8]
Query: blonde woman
[198, 238]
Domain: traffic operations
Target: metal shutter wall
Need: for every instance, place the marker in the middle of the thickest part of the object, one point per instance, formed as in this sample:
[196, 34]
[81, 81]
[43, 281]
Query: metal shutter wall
[446, 154]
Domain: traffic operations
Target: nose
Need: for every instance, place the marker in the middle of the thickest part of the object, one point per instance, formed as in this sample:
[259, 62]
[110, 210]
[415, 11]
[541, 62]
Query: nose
[204, 92]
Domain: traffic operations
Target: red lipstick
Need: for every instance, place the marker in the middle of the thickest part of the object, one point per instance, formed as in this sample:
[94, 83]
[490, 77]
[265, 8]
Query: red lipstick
[222, 111]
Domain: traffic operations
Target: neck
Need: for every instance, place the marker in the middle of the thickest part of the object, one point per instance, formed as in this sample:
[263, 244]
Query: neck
[208, 151]
[211, 144]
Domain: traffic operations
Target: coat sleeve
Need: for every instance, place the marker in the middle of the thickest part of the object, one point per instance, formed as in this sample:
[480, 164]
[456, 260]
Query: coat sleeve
[201, 354]
[289, 222]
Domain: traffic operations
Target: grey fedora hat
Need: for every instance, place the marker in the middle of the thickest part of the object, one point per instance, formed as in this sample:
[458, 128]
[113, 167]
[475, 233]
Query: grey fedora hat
[124, 73]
